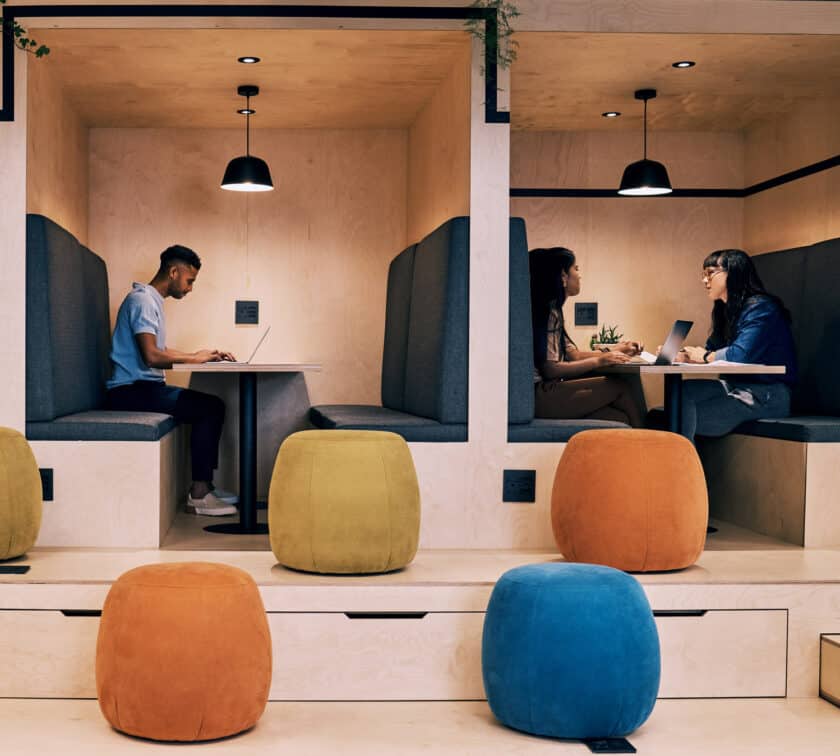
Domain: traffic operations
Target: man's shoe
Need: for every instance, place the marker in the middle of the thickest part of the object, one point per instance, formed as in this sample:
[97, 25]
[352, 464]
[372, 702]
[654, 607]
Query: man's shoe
[209, 505]
[228, 497]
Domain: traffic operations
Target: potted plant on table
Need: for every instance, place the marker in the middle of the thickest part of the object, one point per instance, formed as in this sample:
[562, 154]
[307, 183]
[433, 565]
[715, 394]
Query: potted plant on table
[605, 339]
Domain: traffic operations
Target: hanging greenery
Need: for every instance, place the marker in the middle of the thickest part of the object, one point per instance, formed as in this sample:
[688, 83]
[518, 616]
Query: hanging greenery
[501, 35]
[20, 37]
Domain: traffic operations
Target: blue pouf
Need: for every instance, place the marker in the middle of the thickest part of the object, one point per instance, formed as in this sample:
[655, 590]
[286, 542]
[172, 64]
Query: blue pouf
[570, 651]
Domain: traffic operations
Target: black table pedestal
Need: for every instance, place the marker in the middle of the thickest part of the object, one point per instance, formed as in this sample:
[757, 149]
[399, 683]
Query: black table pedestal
[247, 462]
[673, 402]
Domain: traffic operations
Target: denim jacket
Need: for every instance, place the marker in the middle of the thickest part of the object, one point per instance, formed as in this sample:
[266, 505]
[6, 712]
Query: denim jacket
[761, 335]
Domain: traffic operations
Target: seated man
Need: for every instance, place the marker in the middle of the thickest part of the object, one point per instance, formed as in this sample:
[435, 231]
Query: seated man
[139, 356]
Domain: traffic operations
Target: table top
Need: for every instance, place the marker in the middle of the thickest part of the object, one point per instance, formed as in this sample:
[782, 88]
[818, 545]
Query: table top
[716, 368]
[243, 367]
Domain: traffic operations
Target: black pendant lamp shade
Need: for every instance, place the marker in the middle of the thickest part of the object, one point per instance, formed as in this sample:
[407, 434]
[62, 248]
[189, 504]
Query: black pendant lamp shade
[247, 173]
[645, 178]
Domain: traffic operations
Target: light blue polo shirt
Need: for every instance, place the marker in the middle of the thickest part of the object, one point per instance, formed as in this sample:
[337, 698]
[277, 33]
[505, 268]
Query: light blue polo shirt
[140, 312]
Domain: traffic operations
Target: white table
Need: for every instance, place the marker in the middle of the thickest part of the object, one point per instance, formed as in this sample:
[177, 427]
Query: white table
[674, 375]
[247, 432]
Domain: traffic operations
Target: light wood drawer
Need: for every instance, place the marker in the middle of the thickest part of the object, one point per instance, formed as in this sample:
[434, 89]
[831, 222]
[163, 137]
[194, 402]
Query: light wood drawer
[46, 654]
[335, 656]
[723, 653]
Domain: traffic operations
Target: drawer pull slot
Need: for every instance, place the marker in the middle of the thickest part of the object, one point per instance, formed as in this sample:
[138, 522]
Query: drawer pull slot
[680, 612]
[384, 615]
[82, 612]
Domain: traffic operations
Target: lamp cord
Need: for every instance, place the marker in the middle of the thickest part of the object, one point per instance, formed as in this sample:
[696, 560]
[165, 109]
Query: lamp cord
[645, 131]
[248, 126]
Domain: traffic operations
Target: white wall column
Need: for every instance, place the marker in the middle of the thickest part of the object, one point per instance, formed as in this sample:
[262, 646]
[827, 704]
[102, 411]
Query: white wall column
[13, 255]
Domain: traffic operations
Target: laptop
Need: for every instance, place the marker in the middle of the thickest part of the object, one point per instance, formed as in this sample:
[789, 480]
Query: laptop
[671, 347]
[248, 361]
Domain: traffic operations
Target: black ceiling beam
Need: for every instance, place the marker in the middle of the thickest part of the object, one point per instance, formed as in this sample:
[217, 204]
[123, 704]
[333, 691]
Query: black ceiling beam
[784, 178]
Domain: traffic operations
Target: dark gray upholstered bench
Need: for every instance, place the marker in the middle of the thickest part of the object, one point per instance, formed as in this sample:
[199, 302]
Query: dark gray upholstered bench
[109, 491]
[522, 426]
[425, 355]
[808, 281]
[778, 476]
[68, 341]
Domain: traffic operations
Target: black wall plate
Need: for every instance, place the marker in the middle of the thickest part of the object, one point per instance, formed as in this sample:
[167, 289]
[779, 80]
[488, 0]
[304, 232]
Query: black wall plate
[586, 313]
[247, 312]
[519, 485]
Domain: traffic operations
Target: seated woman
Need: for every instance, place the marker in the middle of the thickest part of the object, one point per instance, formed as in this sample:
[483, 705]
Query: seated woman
[563, 388]
[748, 325]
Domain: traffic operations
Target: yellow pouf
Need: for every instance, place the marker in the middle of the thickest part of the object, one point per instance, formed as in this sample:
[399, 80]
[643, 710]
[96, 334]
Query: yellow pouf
[344, 502]
[631, 499]
[20, 495]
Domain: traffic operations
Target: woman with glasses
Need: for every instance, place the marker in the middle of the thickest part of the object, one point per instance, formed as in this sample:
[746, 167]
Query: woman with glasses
[564, 388]
[748, 325]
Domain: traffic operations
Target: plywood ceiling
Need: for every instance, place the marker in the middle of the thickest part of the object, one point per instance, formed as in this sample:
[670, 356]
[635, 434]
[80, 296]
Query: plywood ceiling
[367, 79]
[307, 78]
[565, 81]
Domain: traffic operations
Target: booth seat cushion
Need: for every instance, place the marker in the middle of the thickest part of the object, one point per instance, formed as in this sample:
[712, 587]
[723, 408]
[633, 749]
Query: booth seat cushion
[542, 431]
[811, 429]
[103, 425]
[364, 417]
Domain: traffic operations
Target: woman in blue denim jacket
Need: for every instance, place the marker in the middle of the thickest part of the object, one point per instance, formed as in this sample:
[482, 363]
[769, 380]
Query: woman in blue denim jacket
[748, 325]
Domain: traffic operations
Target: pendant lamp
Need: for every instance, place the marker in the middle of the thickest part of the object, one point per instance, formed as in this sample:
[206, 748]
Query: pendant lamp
[247, 173]
[645, 178]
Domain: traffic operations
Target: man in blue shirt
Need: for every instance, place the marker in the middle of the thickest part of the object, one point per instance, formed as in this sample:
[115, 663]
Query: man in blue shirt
[139, 356]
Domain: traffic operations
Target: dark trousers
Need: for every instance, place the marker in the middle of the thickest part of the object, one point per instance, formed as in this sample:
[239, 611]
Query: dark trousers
[603, 397]
[205, 412]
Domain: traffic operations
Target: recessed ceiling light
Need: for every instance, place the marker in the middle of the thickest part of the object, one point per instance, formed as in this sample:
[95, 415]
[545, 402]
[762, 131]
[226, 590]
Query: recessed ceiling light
[246, 111]
[248, 59]
[611, 114]
[683, 64]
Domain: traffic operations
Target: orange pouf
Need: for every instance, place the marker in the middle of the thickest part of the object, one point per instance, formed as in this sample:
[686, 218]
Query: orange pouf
[184, 652]
[631, 499]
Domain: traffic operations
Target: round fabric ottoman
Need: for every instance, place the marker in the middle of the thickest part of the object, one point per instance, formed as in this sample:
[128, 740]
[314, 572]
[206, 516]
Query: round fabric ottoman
[570, 651]
[344, 501]
[184, 652]
[20, 495]
[631, 499]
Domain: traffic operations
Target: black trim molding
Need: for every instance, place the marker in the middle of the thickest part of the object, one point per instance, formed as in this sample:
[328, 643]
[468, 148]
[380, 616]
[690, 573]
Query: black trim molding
[785, 178]
[11, 13]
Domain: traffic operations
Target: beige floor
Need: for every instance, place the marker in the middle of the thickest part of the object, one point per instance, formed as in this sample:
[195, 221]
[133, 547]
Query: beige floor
[792, 727]
[187, 534]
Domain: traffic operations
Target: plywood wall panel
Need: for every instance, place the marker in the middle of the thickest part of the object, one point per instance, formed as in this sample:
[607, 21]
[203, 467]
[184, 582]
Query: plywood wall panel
[803, 211]
[57, 153]
[439, 155]
[314, 252]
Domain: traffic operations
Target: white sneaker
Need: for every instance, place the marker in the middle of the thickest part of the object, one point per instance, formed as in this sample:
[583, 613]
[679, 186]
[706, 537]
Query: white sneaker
[228, 497]
[209, 505]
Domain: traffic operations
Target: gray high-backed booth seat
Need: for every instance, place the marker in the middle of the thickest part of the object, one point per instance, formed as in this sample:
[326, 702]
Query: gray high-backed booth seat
[424, 363]
[522, 426]
[68, 339]
[808, 281]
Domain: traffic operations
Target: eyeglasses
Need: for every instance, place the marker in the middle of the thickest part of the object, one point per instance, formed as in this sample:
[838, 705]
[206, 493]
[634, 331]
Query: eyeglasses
[709, 276]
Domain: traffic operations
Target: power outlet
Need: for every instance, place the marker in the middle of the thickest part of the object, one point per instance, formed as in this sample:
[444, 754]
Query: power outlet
[519, 485]
[247, 312]
[586, 313]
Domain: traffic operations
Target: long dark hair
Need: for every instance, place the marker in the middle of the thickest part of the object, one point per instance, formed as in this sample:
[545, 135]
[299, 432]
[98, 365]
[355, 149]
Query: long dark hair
[547, 266]
[742, 284]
